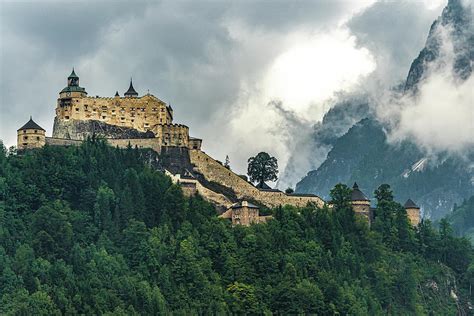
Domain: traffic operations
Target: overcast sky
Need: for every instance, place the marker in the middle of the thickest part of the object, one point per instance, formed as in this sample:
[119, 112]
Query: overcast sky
[218, 63]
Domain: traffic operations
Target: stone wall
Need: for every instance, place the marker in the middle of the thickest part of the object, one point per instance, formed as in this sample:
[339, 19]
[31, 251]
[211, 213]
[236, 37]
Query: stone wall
[152, 143]
[214, 171]
[30, 138]
[52, 141]
[191, 186]
[413, 216]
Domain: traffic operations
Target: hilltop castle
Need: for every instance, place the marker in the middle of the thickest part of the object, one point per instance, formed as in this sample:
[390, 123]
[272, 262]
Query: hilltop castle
[147, 122]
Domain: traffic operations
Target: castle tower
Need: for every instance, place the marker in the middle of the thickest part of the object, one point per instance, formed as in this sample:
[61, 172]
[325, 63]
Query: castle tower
[360, 202]
[413, 212]
[73, 90]
[30, 135]
[131, 93]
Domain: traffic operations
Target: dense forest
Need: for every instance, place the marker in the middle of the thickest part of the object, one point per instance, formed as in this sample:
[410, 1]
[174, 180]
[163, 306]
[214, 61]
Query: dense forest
[98, 230]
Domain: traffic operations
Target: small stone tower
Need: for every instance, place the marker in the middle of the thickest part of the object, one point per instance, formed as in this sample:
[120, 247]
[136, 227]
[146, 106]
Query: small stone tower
[131, 93]
[30, 135]
[360, 203]
[413, 212]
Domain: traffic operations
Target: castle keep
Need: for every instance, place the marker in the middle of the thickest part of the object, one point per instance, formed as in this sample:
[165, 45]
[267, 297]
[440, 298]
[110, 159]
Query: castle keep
[147, 122]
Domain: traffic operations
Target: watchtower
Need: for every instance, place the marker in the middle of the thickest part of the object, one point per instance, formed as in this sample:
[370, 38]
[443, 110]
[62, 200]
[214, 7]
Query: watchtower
[31, 135]
[413, 212]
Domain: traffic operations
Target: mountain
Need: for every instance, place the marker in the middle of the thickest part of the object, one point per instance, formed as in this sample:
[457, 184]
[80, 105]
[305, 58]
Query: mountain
[363, 154]
[462, 219]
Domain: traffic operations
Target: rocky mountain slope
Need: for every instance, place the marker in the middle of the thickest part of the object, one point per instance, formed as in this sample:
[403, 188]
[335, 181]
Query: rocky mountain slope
[363, 154]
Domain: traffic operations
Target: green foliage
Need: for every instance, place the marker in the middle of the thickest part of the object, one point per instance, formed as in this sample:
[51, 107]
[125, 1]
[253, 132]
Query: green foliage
[262, 168]
[96, 230]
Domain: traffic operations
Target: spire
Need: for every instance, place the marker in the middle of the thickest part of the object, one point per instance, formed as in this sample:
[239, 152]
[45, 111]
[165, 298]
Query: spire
[31, 125]
[73, 74]
[131, 91]
[355, 186]
[117, 94]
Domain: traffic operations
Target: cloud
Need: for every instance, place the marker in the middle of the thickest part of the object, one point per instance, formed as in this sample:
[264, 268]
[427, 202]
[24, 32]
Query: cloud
[217, 63]
[440, 116]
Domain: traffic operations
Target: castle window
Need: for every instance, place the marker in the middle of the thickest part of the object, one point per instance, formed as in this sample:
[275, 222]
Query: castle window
[24, 131]
[77, 109]
[133, 120]
[103, 117]
[36, 131]
[25, 144]
[25, 137]
[122, 118]
[66, 117]
[37, 138]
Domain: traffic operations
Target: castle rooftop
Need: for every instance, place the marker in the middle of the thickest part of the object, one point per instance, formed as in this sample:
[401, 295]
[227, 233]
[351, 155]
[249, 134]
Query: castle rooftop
[357, 195]
[31, 125]
[410, 204]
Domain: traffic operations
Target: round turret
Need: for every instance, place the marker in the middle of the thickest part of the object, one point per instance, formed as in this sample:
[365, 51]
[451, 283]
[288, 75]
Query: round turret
[360, 202]
[30, 135]
[413, 212]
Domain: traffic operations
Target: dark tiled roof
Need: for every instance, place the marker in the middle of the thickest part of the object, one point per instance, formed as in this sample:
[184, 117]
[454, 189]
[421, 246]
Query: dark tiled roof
[73, 74]
[131, 91]
[357, 194]
[73, 89]
[410, 204]
[31, 125]
[249, 205]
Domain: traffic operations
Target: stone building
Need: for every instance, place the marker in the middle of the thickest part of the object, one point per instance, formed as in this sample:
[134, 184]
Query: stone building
[30, 135]
[413, 212]
[244, 213]
[360, 203]
[131, 117]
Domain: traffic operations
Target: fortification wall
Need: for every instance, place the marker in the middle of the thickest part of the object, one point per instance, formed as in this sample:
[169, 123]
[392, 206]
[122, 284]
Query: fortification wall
[191, 186]
[141, 113]
[53, 141]
[214, 171]
[153, 143]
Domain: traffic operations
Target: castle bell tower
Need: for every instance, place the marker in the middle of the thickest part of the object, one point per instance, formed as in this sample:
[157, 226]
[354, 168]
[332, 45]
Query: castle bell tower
[73, 90]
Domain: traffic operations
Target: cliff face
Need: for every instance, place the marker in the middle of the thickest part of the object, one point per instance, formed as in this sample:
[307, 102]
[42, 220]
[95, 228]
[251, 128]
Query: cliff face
[80, 130]
[456, 20]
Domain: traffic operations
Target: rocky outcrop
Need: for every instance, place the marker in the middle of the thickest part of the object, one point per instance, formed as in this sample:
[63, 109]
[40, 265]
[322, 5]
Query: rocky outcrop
[82, 129]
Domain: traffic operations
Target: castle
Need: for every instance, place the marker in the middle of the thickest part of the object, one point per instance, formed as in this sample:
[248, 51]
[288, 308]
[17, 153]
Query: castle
[147, 122]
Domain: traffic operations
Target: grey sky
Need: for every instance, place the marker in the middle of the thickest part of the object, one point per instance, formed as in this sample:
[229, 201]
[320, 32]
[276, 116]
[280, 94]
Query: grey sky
[210, 59]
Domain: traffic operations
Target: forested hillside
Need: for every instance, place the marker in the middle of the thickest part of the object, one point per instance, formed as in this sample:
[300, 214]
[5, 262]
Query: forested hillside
[462, 219]
[96, 230]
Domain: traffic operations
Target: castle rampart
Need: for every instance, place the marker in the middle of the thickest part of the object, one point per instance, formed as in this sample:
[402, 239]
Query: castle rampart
[214, 171]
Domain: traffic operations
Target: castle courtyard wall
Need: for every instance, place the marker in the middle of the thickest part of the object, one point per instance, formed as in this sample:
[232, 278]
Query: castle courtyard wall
[214, 171]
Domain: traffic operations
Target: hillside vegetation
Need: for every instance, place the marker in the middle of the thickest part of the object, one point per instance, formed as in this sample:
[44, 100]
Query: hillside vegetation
[96, 230]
